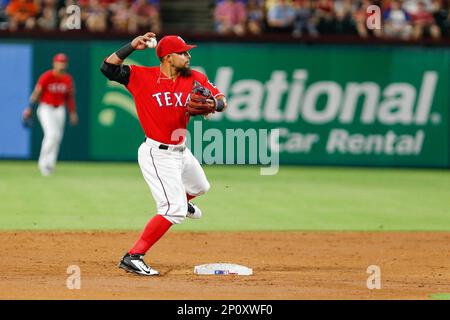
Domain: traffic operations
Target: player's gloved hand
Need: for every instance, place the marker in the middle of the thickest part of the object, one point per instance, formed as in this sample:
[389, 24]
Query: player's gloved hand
[200, 105]
[27, 119]
[201, 101]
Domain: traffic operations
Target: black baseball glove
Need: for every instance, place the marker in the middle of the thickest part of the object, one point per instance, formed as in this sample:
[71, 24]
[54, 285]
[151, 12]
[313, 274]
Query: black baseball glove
[27, 123]
[27, 118]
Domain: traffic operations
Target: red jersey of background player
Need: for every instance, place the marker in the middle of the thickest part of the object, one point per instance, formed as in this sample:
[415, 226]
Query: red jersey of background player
[161, 102]
[57, 90]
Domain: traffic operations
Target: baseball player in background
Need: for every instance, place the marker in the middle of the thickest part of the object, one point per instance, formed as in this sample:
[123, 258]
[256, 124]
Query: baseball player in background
[54, 91]
[165, 97]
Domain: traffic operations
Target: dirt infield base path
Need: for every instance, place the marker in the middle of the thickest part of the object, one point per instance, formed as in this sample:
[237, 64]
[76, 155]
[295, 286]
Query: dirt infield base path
[286, 265]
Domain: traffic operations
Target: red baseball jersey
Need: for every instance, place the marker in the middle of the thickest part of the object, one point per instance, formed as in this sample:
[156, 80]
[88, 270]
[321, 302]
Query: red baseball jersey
[161, 102]
[57, 90]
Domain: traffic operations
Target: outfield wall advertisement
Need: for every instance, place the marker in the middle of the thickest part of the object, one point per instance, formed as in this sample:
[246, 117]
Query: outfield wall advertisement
[311, 104]
[331, 105]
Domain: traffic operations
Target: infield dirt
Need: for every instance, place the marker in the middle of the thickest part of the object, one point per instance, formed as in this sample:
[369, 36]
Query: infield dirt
[286, 265]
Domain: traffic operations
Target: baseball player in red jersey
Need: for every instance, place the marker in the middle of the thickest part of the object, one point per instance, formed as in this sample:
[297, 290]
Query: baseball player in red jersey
[165, 100]
[53, 92]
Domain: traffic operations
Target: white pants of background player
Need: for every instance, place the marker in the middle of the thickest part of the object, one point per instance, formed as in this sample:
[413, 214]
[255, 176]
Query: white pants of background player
[170, 174]
[52, 121]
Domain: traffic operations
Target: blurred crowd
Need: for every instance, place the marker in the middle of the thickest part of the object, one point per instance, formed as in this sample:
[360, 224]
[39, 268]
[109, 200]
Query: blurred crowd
[129, 16]
[400, 19]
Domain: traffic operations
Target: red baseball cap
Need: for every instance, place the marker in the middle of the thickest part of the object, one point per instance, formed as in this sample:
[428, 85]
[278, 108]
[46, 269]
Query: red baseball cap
[172, 44]
[60, 57]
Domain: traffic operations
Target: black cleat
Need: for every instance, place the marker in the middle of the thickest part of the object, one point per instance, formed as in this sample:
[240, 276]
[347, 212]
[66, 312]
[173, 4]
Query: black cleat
[194, 212]
[135, 263]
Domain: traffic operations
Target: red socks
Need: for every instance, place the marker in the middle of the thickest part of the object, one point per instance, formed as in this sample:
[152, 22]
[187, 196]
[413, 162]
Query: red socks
[189, 197]
[154, 230]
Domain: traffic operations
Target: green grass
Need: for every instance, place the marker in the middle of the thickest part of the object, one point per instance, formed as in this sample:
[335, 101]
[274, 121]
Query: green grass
[440, 296]
[114, 196]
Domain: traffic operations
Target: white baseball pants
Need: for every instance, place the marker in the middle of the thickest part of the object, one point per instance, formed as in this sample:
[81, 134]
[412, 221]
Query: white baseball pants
[52, 121]
[170, 174]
